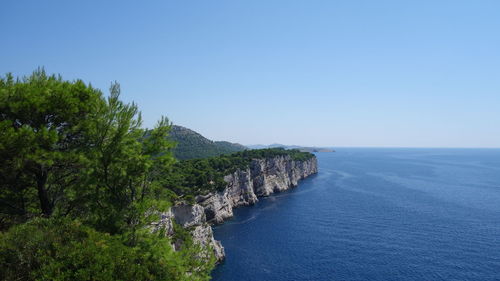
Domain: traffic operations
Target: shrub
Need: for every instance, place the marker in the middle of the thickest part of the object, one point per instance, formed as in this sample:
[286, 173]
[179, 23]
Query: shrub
[62, 249]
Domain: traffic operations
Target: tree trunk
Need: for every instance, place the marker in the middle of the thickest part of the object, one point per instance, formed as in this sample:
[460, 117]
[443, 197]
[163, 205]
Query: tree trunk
[41, 180]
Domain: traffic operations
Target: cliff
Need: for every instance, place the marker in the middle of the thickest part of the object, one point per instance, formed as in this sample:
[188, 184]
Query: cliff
[261, 178]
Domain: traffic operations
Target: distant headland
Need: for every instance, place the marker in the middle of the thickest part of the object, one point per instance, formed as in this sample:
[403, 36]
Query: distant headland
[298, 147]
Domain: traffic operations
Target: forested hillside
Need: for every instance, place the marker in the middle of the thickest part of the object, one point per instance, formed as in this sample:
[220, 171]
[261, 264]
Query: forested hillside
[192, 145]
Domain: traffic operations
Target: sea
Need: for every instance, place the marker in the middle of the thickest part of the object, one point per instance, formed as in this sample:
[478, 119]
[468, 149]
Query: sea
[374, 214]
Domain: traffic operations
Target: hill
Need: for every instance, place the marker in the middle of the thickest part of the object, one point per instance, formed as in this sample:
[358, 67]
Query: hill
[192, 145]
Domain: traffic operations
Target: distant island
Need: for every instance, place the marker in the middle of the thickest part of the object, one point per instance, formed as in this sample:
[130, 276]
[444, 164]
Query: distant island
[298, 147]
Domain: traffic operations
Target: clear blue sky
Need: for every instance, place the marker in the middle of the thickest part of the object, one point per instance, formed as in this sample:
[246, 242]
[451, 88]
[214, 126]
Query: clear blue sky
[326, 73]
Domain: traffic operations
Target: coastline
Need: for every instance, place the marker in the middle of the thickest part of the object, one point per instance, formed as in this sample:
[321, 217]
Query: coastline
[261, 178]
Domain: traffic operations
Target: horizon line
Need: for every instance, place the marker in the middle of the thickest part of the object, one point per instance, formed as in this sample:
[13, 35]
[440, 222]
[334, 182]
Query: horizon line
[414, 147]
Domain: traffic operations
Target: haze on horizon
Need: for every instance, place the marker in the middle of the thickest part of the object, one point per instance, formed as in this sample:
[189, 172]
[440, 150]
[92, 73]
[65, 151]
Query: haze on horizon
[323, 73]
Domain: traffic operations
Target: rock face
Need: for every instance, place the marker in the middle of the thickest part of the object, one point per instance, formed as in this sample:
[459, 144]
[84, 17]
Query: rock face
[217, 206]
[188, 215]
[192, 218]
[262, 178]
[164, 223]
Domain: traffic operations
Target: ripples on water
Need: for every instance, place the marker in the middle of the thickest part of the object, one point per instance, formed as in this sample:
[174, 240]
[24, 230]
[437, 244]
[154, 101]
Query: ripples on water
[375, 214]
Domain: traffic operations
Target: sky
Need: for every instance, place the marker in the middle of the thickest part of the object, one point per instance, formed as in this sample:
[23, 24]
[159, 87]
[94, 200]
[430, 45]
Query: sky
[324, 73]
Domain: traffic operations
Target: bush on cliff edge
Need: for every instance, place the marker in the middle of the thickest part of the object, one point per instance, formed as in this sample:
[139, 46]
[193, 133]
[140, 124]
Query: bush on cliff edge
[62, 249]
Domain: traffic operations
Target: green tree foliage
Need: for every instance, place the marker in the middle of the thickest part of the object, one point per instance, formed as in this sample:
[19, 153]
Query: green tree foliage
[78, 177]
[126, 162]
[44, 126]
[63, 249]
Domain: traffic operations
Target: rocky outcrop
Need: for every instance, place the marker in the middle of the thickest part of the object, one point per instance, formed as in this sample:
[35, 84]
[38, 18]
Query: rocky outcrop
[192, 218]
[217, 206]
[261, 178]
[203, 235]
[165, 223]
[188, 215]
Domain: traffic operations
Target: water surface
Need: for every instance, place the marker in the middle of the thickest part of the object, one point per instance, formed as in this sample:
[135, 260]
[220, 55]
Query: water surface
[375, 214]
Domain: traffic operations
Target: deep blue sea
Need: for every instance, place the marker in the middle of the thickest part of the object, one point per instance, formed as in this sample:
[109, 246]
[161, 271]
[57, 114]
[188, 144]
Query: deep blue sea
[374, 214]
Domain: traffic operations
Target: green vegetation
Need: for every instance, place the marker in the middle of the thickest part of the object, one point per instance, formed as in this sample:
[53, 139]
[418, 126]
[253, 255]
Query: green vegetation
[64, 249]
[191, 145]
[189, 178]
[81, 182]
[77, 178]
